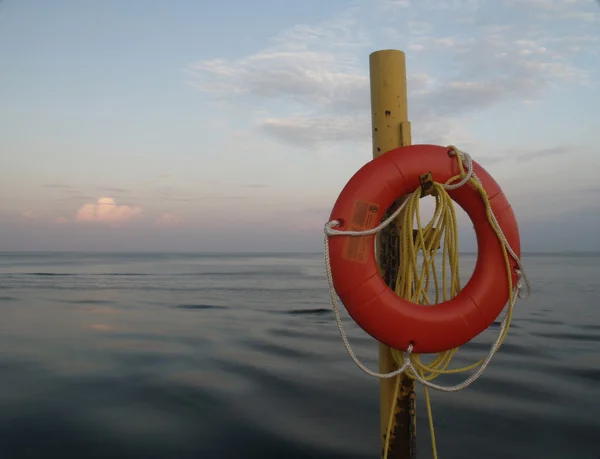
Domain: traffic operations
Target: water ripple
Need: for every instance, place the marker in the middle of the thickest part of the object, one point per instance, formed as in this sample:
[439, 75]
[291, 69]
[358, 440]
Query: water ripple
[568, 336]
[260, 369]
[318, 311]
[199, 306]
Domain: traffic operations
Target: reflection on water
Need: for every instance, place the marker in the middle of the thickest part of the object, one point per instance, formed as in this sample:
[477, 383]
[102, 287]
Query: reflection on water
[168, 356]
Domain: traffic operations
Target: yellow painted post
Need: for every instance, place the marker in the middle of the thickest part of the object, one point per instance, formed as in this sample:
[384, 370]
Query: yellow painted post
[391, 129]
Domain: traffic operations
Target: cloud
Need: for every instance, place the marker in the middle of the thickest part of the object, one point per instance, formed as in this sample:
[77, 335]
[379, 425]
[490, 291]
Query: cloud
[114, 189]
[58, 186]
[168, 219]
[29, 214]
[387, 5]
[545, 152]
[575, 43]
[106, 210]
[309, 66]
[300, 76]
[177, 199]
[310, 131]
[531, 155]
[74, 197]
[502, 64]
[561, 9]
[441, 130]
[313, 81]
[61, 220]
[256, 185]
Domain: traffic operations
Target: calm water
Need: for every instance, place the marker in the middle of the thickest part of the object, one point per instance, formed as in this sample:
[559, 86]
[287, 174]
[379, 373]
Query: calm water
[171, 356]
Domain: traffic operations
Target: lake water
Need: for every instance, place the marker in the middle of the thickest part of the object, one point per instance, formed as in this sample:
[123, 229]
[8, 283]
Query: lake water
[223, 356]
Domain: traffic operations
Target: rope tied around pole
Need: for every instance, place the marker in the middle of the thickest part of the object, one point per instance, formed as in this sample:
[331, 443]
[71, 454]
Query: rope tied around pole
[413, 285]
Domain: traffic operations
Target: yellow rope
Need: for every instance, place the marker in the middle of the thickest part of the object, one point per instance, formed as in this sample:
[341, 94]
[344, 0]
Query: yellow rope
[413, 281]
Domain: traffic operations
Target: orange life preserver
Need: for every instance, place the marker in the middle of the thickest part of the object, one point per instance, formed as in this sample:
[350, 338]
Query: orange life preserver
[370, 302]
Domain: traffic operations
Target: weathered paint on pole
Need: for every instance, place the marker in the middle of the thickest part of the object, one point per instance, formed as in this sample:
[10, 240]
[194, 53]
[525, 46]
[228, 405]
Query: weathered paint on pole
[391, 129]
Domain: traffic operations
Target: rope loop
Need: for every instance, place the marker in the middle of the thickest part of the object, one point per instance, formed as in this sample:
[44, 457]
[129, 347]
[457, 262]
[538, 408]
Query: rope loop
[413, 286]
[467, 175]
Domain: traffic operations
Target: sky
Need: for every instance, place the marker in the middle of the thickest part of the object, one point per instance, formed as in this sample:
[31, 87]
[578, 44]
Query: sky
[197, 126]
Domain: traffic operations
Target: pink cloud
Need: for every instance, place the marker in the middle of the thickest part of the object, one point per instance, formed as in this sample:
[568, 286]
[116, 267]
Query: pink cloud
[28, 214]
[61, 220]
[168, 219]
[107, 210]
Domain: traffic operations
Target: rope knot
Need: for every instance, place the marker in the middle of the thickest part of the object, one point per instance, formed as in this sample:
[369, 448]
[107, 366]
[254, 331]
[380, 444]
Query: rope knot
[329, 227]
[452, 150]
[426, 181]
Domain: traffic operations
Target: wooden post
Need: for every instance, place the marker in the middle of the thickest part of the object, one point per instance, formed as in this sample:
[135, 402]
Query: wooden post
[391, 129]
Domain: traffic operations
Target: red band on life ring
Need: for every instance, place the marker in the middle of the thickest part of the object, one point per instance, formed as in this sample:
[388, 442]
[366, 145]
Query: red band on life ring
[370, 302]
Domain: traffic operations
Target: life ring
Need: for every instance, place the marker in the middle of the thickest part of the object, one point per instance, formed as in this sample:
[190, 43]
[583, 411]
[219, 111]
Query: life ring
[370, 302]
